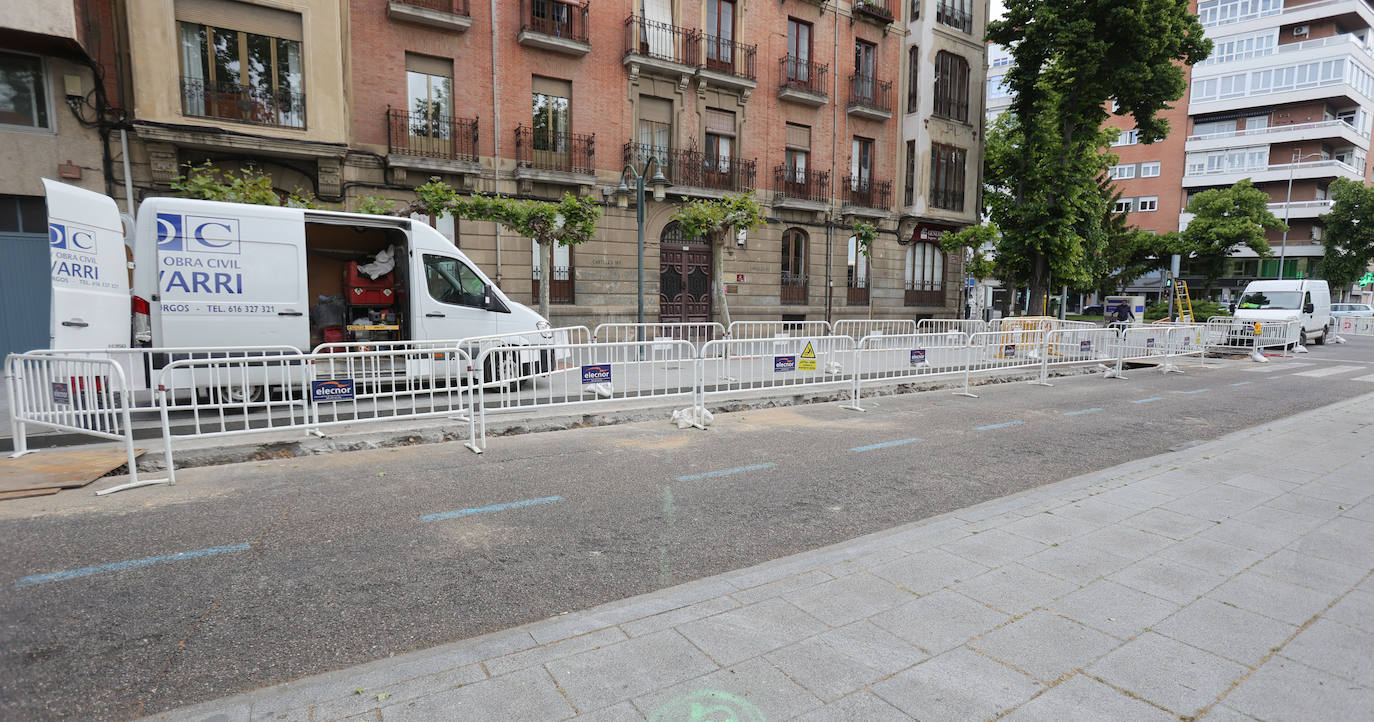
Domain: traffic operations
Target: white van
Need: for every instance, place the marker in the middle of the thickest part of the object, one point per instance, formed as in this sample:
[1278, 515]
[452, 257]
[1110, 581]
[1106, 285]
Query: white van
[211, 274]
[1309, 301]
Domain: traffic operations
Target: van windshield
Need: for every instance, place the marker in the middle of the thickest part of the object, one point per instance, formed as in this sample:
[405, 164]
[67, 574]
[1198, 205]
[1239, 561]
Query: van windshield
[1274, 300]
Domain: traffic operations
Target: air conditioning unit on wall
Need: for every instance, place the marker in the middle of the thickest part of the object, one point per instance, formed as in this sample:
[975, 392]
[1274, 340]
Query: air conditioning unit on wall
[1299, 31]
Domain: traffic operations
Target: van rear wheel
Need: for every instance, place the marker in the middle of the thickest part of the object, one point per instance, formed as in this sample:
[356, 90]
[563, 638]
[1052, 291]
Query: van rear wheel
[1326, 331]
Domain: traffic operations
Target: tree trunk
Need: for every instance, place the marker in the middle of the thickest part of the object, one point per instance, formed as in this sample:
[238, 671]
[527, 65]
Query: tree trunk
[545, 277]
[718, 278]
[1039, 285]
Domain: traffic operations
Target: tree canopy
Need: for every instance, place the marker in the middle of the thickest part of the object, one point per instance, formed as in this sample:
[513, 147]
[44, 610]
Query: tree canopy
[1349, 236]
[1225, 220]
[246, 185]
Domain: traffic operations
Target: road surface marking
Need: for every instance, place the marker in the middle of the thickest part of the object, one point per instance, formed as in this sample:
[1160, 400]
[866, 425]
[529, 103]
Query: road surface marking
[884, 444]
[1146, 401]
[458, 513]
[1366, 378]
[1080, 413]
[1194, 391]
[1002, 425]
[1288, 366]
[130, 564]
[1241, 383]
[1328, 371]
[726, 472]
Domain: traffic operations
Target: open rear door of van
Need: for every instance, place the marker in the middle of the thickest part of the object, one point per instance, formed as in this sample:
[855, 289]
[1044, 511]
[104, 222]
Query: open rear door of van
[90, 276]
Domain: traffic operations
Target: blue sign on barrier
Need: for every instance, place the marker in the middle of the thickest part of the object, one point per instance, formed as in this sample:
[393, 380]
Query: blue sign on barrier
[784, 364]
[331, 390]
[61, 394]
[596, 374]
[1149, 343]
[1085, 346]
[1009, 351]
[918, 356]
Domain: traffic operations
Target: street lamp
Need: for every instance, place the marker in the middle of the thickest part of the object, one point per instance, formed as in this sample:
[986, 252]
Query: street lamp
[1298, 157]
[622, 199]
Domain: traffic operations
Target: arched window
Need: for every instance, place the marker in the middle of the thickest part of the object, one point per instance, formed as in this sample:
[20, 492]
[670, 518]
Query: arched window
[925, 275]
[857, 275]
[951, 86]
[793, 266]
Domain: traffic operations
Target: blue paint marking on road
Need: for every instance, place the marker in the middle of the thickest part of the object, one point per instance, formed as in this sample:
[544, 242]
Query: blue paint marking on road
[1194, 391]
[458, 513]
[126, 565]
[1002, 425]
[1242, 383]
[1146, 401]
[884, 444]
[726, 472]
[1080, 413]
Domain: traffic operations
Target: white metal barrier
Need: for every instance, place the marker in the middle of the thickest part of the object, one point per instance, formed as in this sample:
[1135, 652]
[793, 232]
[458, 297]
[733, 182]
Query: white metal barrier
[1355, 325]
[141, 365]
[907, 357]
[777, 329]
[858, 328]
[966, 326]
[695, 333]
[1000, 351]
[616, 371]
[731, 367]
[1251, 336]
[87, 396]
[1064, 347]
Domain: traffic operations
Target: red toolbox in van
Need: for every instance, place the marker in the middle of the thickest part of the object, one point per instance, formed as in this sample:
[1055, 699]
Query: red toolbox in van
[359, 290]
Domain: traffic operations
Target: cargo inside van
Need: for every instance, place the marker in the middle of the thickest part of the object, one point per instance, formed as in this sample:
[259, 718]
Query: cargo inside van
[346, 303]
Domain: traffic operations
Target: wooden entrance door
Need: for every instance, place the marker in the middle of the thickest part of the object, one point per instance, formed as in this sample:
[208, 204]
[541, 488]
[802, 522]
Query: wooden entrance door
[684, 278]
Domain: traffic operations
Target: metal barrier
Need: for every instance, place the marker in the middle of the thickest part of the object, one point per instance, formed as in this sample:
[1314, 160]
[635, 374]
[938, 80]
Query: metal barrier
[141, 365]
[696, 334]
[1060, 325]
[738, 366]
[1000, 351]
[474, 344]
[1253, 336]
[1023, 323]
[1355, 325]
[857, 328]
[87, 396]
[777, 329]
[966, 326]
[1064, 347]
[907, 357]
[614, 371]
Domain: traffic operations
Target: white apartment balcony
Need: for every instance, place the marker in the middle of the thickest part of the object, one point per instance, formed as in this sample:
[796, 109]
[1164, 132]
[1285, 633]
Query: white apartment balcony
[1301, 209]
[1296, 14]
[1296, 132]
[1307, 51]
[1274, 172]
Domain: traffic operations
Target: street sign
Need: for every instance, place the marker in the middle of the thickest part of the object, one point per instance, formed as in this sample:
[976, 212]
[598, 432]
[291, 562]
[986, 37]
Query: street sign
[784, 364]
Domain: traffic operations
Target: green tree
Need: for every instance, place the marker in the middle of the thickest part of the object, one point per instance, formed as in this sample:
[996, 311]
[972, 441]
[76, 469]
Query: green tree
[246, 185]
[567, 222]
[717, 221]
[1068, 60]
[1225, 220]
[1349, 237]
[864, 236]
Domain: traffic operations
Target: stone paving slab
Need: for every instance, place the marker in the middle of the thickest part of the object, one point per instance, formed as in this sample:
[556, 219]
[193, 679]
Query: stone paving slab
[1223, 582]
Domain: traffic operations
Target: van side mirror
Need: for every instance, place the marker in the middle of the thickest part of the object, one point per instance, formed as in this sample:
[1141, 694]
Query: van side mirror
[1308, 307]
[1233, 308]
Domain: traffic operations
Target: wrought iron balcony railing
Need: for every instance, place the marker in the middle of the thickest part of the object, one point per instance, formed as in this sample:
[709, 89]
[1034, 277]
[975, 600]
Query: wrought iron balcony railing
[804, 184]
[431, 136]
[555, 17]
[868, 193]
[793, 288]
[802, 75]
[661, 41]
[869, 92]
[696, 169]
[560, 284]
[545, 150]
[456, 7]
[729, 57]
[242, 103]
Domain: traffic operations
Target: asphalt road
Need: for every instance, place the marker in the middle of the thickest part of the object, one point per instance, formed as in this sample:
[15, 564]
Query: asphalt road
[322, 563]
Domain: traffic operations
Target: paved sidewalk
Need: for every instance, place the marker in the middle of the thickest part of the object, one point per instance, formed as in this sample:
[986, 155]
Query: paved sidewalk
[1227, 581]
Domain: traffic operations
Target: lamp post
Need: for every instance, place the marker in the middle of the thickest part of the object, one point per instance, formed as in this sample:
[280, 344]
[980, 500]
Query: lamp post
[622, 199]
[1298, 157]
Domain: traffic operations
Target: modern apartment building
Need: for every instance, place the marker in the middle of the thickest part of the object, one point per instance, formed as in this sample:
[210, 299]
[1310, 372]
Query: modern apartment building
[1285, 100]
[808, 104]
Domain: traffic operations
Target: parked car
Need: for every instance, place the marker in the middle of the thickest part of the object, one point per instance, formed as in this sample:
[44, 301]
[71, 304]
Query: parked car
[1093, 310]
[1352, 309]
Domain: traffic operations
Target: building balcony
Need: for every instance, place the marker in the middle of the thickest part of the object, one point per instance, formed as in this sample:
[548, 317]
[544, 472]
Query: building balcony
[924, 293]
[431, 143]
[443, 14]
[661, 49]
[801, 188]
[1292, 133]
[728, 63]
[1301, 209]
[1273, 173]
[866, 197]
[1332, 91]
[950, 16]
[693, 173]
[554, 25]
[241, 103]
[1257, 19]
[558, 158]
[792, 290]
[801, 81]
[876, 11]
[869, 97]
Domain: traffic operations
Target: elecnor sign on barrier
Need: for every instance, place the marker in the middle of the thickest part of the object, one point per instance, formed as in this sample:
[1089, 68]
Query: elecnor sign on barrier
[784, 364]
[1009, 350]
[1085, 346]
[918, 356]
[60, 394]
[596, 374]
[331, 390]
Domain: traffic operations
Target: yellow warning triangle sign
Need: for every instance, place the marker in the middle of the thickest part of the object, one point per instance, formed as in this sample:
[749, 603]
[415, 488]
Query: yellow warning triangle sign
[808, 352]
